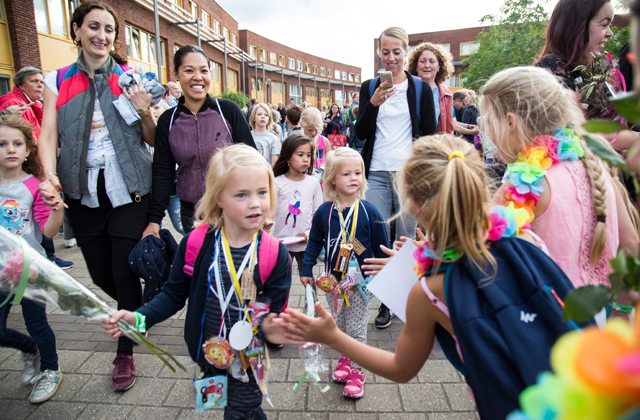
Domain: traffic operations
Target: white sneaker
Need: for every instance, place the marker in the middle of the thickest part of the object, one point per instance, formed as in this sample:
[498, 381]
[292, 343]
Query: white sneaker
[68, 243]
[45, 386]
[31, 366]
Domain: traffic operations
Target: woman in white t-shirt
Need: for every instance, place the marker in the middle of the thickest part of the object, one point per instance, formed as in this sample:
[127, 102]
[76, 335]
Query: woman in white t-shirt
[390, 120]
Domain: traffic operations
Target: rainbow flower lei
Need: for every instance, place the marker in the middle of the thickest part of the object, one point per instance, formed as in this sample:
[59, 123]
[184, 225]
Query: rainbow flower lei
[526, 174]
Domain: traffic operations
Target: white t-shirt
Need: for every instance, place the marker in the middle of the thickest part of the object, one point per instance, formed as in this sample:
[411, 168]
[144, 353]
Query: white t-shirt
[267, 144]
[99, 140]
[394, 135]
[297, 202]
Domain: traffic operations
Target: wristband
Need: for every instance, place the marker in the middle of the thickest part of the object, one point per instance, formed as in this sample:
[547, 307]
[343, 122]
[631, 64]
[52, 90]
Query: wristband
[621, 308]
[140, 322]
[51, 173]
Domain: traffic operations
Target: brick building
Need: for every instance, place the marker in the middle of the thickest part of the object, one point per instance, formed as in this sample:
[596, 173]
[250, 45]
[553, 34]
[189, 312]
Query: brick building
[293, 74]
[36, 33]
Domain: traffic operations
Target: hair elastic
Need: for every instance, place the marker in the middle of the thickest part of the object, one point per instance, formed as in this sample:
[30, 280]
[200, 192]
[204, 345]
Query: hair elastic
[602, 218]
[456, 153]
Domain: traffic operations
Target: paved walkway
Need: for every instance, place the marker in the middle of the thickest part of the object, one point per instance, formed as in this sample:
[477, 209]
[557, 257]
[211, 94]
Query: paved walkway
[86, 355]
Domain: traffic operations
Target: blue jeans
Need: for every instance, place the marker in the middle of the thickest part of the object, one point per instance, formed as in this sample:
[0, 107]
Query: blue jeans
[42, 338]
[174, 213]
[382, 194]
[49, 248]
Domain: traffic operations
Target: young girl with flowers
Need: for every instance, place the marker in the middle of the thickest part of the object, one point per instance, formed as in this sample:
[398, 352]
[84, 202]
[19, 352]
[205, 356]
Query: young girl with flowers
[572, 199]
[445, 187]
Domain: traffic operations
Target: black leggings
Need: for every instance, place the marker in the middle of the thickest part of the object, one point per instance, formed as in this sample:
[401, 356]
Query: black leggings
[106, 236]
[187, 215]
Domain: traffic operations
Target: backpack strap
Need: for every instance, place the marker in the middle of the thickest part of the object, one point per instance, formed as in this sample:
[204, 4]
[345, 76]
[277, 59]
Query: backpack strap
[267, 255]
[417, 81]
[372, 86]
[194, 245]
[61, 73]
[225, 124]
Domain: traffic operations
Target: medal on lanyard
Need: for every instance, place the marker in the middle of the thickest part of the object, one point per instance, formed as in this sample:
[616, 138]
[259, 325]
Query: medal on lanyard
[344, 253]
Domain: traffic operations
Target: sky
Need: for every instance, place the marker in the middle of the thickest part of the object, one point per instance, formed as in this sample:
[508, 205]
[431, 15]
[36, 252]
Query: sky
[344, 30]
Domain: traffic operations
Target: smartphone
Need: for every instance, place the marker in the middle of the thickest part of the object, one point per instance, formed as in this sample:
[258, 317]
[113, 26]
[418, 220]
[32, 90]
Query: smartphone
[29, 104]
[386, 80]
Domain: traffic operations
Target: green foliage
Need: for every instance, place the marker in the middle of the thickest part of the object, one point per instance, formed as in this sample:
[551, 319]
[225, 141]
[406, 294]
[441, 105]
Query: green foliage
[618, 39]
[583, 303]
[238, 97]
[516, 36]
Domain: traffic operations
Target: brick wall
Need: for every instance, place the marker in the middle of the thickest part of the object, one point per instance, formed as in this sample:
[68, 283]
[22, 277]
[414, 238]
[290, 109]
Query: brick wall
[23, 32]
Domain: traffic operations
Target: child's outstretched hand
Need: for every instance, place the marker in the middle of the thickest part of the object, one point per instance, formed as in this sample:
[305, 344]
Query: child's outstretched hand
[306, 280]
[303, 328]
[50, 196]
[110, 326]
[274, 330]
[373, 265]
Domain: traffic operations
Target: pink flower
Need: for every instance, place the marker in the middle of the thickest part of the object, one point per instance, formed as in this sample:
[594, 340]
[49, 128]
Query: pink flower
[13, 268]
[498, 226]
[521, 198]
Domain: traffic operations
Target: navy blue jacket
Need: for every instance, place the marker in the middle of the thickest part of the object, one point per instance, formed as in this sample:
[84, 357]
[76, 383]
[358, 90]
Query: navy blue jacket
[181, 287]
[371, 233]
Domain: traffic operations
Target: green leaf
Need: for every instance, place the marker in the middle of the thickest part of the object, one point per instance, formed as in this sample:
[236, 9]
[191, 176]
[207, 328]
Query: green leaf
[627, 106]
[619, 263]
[582, 304]
[603, 126]
[606, 154]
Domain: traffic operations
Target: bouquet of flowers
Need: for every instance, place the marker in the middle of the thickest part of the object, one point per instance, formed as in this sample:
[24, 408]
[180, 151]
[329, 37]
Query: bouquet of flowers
[26, 273]
[598, 81]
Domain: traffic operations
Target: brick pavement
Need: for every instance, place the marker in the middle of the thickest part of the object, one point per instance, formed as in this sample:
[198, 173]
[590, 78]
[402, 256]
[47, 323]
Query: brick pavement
[437, 393]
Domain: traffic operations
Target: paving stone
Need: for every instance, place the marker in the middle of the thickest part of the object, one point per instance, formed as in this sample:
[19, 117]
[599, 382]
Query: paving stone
[423, 397]
[453, 416]
[98, 336]
[183, 394]
[190, 414]
[97, 389]
[179, 373]
[105, 412]
[70, 384]
[77, 345]
[147, 365]
[57, 410]
[352, 416]
[438, 371]
[59, 327]
[11, 362]
[155, 331]
[147, 391]
[302, 416]
[98, 364]
[332, 400]
[283, 397]
[69, 361]
[402, 416]
[74, 336]
[16, 409]
[382, 380]
[10, 387]
[170, 339]
[155, 413]
[93, 327]
[459, 397]
[107, 347]
[379, 397]
[279, 368]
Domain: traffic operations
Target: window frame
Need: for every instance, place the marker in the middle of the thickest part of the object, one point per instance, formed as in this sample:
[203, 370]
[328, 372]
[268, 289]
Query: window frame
[128, 28]
[206, 19]
[315, 69]
[273, 58]
[253, 52]
[292, 64]
[281, 61]
[300, 66]
[263, 55]
[49, 31]
[323, 71]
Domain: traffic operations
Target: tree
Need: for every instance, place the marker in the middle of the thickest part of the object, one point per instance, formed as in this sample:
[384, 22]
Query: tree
[618, 39]
[238, 97]
[516, 36]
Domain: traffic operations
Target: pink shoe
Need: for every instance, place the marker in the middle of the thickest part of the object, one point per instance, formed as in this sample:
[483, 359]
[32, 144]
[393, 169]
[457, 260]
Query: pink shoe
[343, 369]
[355, 384]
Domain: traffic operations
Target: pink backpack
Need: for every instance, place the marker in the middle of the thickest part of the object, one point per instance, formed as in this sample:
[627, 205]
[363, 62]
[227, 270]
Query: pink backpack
[267, 254]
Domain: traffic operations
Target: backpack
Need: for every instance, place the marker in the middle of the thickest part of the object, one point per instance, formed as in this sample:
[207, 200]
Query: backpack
[505, 326]
[267, 253]
[416, 80]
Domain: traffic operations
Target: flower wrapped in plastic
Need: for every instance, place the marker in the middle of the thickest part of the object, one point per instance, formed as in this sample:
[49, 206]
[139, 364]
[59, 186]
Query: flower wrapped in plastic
[26, 273]
[312, 354]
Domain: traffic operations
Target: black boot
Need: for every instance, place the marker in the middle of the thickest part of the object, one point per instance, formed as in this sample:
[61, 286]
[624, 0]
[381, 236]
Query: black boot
[383, 320]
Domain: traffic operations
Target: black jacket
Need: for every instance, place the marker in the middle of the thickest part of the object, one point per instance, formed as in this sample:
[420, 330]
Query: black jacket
[368, 114]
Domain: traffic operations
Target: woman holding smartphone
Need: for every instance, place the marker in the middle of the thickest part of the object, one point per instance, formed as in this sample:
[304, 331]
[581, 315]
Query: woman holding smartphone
[389, 122]
[334, 120]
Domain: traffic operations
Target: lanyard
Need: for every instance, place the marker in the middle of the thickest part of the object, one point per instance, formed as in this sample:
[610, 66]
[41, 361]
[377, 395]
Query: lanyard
[343, 227]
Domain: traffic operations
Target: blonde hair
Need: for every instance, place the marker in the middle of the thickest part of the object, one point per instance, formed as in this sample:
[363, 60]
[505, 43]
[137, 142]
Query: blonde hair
[445, 61]
[541, 105]
[395, 32]
[334, 158]
[252, 118]
[452, 195]
[311, 117]
[275, 115]
[220, 168]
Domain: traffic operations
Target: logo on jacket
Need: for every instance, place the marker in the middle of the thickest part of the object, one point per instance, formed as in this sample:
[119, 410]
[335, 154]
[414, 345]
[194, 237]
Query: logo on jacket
[13, 216]
[526, 318]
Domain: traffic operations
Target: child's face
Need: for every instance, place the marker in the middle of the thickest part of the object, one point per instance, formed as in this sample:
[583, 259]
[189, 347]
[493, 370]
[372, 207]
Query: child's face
[310, 131]
[301, 158]
[245, 200]
[13, 148]
[157, 110]
[349, 176]
[262, 117]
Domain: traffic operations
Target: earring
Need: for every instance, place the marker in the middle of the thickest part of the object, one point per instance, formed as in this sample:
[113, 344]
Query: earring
[25, 159]
[288, 164]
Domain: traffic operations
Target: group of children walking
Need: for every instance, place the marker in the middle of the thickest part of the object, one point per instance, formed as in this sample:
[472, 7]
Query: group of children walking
[576, 213]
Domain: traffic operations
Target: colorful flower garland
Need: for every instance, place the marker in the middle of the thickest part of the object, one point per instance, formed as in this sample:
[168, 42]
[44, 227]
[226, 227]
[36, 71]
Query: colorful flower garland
[525, 175]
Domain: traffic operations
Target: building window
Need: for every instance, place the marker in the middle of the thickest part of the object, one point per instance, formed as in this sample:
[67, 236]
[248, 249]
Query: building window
[295, 92]
[315, 69]
[234, 39]
[323, 71]
[273, 58]
[141, 45]
[216, 71]
[254, 52]
[176, 47]
[277, 87]
[263, 55]
[325, 94]
[446, 47]
[206, 19]
[292, 64]
[330, 74]
[51, 17]
[216, 27]
[281, 61]
[232, 78]
[344, 75]
[340, 96]
[193, 8]
[307, 68]
[357, 78]
[225, 33]
[337, 73]
[351, 77]
[253, 84]
[4, 81]
[467, 48]
[299, 65]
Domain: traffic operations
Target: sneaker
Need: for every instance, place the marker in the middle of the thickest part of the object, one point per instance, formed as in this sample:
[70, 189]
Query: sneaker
[45, 386]
[124, 374]
[31, 366]
[355, 384]
[341, 373]
[68, 243]
[321, 257]
[383, 320]
[65, 265]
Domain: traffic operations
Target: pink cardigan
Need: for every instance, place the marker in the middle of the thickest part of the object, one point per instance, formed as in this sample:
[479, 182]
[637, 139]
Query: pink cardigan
[445, 124]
